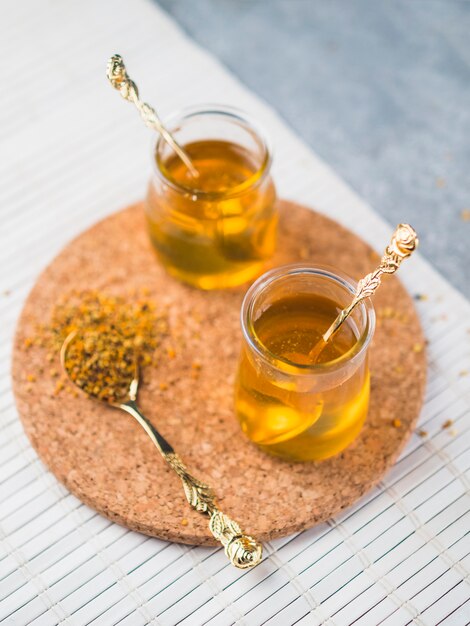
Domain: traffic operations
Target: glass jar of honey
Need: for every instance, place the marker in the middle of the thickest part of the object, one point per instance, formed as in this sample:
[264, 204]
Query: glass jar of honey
[218, 229]
[287, 405]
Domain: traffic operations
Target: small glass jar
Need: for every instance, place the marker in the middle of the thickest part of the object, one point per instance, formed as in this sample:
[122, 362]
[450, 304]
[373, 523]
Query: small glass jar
[219, 229]
[286, 405]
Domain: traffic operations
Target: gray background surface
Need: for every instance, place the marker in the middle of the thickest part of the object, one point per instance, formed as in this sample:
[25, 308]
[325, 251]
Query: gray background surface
[379, 89]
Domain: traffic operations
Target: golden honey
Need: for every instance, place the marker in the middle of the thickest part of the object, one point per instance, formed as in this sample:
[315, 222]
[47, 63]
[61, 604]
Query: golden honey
[286, 405]
[219, 229]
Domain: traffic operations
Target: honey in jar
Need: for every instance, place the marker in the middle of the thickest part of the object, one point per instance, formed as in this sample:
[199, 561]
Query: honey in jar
[287, 405]
[218, 229]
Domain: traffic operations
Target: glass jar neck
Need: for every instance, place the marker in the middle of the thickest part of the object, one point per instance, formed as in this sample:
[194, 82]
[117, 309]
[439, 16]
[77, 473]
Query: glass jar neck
[213, 123]
[299, 279]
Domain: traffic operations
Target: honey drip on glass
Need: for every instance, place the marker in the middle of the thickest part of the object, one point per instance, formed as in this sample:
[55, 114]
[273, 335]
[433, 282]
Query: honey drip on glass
[294, 421]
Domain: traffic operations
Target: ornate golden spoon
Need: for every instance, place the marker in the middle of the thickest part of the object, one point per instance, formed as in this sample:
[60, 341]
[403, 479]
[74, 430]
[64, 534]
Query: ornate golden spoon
[120, 80]
[80, 357]
[404, 241]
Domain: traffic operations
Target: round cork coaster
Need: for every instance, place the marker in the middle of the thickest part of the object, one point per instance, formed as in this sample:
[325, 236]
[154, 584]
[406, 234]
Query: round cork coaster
[106, 459]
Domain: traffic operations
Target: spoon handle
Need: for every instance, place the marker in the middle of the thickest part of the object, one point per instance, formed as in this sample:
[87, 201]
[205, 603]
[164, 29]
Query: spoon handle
[120, 80]
[404, 241]
[242, 550]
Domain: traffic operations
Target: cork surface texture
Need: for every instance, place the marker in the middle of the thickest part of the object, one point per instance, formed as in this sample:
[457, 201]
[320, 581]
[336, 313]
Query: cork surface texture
[104, 457]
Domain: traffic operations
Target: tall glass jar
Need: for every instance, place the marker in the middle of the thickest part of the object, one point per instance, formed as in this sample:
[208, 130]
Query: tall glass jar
[287, 405]
[219, 229]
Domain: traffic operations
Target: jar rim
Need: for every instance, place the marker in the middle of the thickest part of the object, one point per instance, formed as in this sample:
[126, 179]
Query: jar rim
[325, 271]
[232, 114]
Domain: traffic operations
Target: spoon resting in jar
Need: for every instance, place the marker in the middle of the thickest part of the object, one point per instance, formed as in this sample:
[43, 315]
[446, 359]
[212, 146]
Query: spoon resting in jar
[119, 79]
[403, 243]
[105, 367]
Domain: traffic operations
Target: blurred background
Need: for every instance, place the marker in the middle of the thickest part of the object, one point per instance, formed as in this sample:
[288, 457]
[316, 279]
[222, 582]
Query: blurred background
[379, 90]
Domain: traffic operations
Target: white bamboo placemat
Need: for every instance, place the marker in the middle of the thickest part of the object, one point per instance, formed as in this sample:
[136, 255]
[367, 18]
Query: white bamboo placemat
[71, 152]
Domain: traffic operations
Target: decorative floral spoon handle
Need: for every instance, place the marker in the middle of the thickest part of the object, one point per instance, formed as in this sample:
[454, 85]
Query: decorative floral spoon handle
[404, 241]
[120, 80]
[242, 550]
